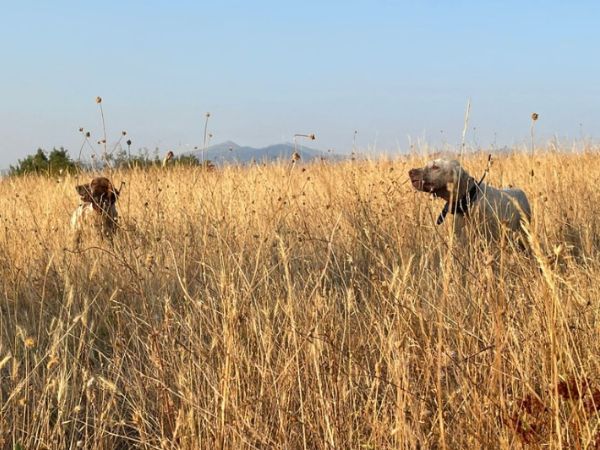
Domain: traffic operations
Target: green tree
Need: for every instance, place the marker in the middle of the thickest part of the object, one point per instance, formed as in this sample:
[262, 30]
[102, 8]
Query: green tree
[56, 162]
[59, 161]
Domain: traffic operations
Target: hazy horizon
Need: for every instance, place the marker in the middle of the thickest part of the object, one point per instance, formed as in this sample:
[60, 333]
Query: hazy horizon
[266, 71]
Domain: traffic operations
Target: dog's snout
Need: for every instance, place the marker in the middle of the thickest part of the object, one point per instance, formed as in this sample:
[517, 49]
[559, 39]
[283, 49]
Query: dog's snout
[413, 173]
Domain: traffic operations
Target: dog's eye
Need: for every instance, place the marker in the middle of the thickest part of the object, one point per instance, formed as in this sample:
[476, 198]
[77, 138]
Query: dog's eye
[434, 167]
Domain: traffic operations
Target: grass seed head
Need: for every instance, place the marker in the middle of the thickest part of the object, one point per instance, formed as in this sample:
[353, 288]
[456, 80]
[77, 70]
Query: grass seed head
[29, 342]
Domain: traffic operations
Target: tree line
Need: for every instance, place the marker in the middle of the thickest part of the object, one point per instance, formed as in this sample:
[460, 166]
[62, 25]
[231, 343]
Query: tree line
[58, 161]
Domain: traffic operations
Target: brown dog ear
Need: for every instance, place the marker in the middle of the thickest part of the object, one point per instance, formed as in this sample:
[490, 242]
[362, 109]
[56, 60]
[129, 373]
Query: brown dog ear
[116, 192]
[85, 192]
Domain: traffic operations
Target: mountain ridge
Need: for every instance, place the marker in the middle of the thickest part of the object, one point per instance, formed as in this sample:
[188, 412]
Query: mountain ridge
[231, 152]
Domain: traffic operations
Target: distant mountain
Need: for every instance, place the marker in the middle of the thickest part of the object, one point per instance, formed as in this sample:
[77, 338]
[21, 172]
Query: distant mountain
[230, 152]
[222, 147]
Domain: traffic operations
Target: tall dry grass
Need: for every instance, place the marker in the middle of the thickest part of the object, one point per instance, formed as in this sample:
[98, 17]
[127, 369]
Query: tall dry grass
[317, 307]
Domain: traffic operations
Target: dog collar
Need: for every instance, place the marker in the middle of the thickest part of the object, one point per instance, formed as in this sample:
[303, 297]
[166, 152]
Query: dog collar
[462, 206]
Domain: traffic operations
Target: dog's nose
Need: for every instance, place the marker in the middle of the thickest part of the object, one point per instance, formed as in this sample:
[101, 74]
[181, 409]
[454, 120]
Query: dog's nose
[412, 173]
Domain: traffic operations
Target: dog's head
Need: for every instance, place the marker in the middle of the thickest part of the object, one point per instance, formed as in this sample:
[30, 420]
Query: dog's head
[439, 177]
[100, 192]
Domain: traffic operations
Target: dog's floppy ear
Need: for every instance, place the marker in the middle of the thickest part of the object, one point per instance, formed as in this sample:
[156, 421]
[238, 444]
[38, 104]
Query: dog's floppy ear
[116, 191]
[85, 192]
[112, 193]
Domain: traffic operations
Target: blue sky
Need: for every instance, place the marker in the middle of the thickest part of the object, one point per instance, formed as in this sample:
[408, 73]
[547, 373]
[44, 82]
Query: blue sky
[269, 69]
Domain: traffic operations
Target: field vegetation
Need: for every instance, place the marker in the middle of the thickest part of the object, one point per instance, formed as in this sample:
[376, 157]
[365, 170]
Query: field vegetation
[300, 306]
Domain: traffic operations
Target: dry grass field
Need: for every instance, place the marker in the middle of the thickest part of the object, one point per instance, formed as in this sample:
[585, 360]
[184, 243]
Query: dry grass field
[308, 307]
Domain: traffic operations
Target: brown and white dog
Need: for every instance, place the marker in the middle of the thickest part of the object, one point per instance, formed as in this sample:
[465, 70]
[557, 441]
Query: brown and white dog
[97, 209]
[475, 205]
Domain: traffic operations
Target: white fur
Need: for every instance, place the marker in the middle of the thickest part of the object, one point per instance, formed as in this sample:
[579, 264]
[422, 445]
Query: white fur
[86, 217]
[495, 208]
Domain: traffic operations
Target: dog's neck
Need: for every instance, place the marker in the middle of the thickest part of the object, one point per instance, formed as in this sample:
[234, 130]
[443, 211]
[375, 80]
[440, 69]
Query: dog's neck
[454, 192]
[463, 203]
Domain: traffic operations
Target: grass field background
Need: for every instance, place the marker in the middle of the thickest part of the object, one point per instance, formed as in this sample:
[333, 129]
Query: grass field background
[300, 306]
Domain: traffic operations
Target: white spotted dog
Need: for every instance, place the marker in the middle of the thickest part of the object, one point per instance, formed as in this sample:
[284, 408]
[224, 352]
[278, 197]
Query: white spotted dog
[97, 210]
[475, 205]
